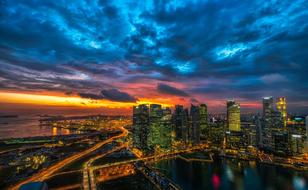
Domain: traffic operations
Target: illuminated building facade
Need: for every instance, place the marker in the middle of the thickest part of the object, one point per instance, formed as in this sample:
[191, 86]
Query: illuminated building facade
[180, 119]
[282, 108]
[236, 140]
[297, 144]
[234, 117]
[306, 140]
[140, 128]
[151, 127]
[194, 133]
[281, 143]
[204, 127]
[268, 109]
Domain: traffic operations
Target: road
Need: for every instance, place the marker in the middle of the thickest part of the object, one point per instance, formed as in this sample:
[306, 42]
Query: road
[88, 176]
[44, 174]
[154, 157]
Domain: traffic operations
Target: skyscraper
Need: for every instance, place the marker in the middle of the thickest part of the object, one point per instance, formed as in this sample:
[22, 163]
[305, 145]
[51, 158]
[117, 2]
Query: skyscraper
[268, 107]
[195, 124]
[159, 135]
[179, 122]
[204, 135]
[230, 102]
[282, 108]
[140, 128]
[306, 140]
[268, 110]
[234, 117]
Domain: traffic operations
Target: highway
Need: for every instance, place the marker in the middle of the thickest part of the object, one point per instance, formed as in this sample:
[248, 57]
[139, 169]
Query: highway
[45, 173]
[154, 157]
[88, 176]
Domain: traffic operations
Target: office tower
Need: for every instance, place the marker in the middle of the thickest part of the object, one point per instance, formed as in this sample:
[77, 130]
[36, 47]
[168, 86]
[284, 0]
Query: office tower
[155, 112]
[159, 135]
[282, 108]
[297, 144]
[140, 126]
[186, 126]
[259, 132]
[236, 140]
[306, 123]
[306, 140]
[204, 135]
[234, 117]
[154, 126]
[179, 123]
[268, 103]
[165, 129]
[230, 102]
[268, 110]
[281, 143]
[195, 124]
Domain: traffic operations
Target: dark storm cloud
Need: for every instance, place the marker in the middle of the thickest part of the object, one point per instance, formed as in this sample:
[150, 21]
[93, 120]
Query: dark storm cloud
[166, 89]
[91, 96]
[257, 47]
[118, 96]
[109, 94]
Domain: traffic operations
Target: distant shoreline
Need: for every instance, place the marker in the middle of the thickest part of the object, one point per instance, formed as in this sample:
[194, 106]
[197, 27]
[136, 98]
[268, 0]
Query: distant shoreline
[8, 116]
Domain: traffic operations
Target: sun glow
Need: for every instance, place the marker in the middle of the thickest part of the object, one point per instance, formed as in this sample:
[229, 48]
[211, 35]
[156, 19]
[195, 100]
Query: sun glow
[75, 101]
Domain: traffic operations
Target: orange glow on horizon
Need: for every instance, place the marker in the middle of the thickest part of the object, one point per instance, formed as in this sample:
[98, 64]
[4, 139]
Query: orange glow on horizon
[53, 100]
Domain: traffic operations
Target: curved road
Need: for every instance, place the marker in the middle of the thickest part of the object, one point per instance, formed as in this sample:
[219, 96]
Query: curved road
[44, 174]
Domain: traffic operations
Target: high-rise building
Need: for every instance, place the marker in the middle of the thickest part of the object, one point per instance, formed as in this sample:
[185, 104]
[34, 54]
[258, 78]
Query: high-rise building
[165, 129]
[306, 140]
[268, 110]
[230, 102]
[195, 124]
[297, 144]
[180, 127]
[236, 140]
[204, 127]
[155, 111]
[281, 142]
[140, 128]
[306, 123]
[282, 108]
[259, 132]
[234, 117]
[159, 133]
[186, 126]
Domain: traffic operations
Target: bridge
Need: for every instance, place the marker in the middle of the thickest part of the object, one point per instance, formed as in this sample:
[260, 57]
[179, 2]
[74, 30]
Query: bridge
[88, 176]
[153, 158]
[159, 180]
[116, 170]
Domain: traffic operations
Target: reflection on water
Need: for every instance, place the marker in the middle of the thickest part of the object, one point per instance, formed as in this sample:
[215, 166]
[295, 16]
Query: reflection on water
[28, 126]
[231, 174]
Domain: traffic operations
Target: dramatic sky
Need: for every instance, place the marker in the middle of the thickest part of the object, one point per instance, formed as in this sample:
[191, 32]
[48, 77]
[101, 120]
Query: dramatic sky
[109, 55]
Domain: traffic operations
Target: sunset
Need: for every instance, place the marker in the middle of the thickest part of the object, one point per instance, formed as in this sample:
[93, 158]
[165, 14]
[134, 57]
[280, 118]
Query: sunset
[153, 94]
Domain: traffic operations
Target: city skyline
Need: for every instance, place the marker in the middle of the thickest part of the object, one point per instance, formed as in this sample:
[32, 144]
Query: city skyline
[154, 94]
[106, 56]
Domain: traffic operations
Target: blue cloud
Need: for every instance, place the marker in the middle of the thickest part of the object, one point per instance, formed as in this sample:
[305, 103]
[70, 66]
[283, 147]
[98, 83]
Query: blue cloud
[239, 41]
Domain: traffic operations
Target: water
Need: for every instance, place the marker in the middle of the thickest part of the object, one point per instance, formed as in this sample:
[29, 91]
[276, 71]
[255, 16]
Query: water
[232, 174]
[28, 126]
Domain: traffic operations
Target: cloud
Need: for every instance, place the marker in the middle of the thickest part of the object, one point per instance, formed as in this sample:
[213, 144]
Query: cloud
[91, 96]
[274, 78]
[166, 89]
[193, 100]
[118, 96]
[213, 49]
[110, 94]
